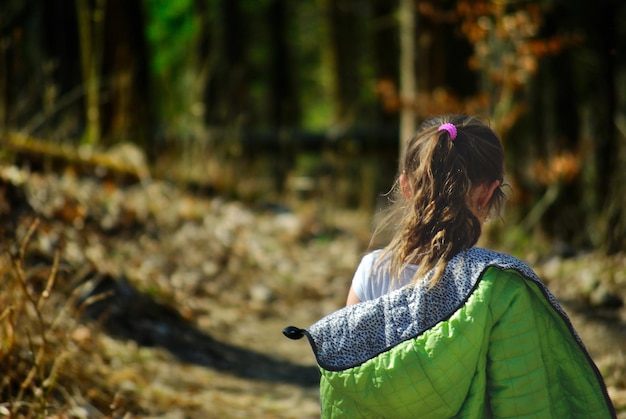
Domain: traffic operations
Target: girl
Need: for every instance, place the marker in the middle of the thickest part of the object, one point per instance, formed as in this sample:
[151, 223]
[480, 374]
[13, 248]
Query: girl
[444, 329]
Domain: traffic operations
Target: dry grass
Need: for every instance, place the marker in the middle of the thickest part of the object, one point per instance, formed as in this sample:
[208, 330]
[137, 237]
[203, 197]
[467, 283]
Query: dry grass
[56, 364]
[48, 360]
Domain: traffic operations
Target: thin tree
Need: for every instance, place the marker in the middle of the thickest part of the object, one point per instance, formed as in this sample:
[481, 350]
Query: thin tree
[408, 84]
[91, 30]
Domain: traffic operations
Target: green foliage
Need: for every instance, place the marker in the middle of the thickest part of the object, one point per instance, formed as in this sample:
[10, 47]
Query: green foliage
[314, 79]
[174, 32]
[171, 31]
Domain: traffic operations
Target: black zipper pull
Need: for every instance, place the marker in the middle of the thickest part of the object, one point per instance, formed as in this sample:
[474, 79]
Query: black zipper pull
[293, 332]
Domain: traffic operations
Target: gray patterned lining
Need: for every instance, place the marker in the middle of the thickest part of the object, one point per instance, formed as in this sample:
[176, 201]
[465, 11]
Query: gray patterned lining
[354, 334]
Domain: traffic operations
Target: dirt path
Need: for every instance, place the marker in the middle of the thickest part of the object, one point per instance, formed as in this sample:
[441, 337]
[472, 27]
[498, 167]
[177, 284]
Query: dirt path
[261, 374]
[246, 368]
[199, 291]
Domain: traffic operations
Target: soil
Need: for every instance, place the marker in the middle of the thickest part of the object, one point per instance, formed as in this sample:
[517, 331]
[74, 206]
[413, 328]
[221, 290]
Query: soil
[193, 292]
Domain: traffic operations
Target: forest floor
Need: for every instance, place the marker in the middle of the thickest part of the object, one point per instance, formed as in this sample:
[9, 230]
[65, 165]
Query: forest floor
[178, 301]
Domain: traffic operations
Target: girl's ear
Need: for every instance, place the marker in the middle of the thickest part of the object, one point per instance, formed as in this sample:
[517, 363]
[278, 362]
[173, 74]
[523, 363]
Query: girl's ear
[405, 186]
[488, 189]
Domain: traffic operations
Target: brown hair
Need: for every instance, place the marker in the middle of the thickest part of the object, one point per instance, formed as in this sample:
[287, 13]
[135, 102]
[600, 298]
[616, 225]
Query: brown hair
[436, 222]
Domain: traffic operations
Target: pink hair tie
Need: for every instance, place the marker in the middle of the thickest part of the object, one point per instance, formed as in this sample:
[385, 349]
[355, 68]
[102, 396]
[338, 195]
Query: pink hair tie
[450, 128]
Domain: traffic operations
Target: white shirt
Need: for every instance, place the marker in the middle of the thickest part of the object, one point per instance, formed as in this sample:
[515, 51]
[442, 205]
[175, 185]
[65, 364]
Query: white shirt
[370, 281]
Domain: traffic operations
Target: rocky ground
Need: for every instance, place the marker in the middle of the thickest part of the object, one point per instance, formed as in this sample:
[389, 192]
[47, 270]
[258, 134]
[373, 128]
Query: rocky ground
[182, 298]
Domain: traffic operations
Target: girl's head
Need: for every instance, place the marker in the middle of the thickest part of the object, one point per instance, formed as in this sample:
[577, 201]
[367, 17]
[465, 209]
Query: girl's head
[449, 180]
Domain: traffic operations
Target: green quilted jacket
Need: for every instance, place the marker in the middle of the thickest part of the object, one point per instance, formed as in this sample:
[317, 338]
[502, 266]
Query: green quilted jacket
[488, 341]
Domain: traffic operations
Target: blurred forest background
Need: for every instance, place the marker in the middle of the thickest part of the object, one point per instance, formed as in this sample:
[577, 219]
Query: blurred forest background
[279, 106]
[261, 98]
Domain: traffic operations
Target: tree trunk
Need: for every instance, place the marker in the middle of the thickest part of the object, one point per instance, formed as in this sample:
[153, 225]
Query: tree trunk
[283, 101]
[603, 172]
[4, 79]
[91, 27]
[611, 151]
[408, 85]
[385, 54]
[283, 105]
[227, 87]
[343, 43]
[125, 115]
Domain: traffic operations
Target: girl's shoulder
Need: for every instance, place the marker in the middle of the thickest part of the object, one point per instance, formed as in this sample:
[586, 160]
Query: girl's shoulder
[371, 257]
[476, 259]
